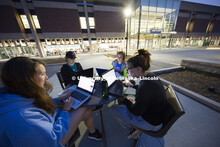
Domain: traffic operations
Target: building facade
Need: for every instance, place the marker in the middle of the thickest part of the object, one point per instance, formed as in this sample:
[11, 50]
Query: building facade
[153, 23]
[159, 24]
[52, 27]
[197, 26]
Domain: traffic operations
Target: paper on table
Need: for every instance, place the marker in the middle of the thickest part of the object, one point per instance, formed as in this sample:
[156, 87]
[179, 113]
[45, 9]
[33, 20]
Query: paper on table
[130, 91]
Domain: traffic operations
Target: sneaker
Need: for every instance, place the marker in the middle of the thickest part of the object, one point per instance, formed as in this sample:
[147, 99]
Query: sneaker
[134, 133]
[96, 135]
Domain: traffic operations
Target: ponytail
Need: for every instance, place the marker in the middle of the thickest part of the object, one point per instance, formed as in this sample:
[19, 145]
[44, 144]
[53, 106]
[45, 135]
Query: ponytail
[141, 59]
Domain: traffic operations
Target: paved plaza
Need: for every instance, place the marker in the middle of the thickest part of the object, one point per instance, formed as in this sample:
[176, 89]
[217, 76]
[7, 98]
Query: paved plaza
[197, 128]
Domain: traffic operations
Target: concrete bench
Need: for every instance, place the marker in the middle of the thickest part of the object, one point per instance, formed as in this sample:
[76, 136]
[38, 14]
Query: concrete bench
[208, 66]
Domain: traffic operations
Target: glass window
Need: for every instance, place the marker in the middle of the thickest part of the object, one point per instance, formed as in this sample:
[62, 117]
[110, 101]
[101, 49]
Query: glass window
[153, 5]
[145, 8]
[144, 3]
[176, 5]
[161, 6]
[132, 26]
[25, 21]
[169, 6]
[144, 22]
[83, 22]
[91, 22]
[151, 20]
[158, 22]
[36, 22]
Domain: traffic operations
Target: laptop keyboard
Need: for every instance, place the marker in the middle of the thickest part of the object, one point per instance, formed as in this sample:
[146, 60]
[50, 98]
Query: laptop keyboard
[117, 88]
[79, 96]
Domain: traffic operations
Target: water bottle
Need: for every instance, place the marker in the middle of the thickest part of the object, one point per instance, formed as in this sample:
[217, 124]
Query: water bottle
[104, 89]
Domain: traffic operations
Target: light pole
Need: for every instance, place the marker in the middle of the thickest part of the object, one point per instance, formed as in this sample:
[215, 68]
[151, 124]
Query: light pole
[127, 13]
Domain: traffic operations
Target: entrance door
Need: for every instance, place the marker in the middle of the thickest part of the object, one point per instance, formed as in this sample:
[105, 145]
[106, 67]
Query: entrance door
[149, 44]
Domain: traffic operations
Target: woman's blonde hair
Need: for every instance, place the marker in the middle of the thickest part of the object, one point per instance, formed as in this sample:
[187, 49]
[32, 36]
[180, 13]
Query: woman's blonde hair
[19, 75]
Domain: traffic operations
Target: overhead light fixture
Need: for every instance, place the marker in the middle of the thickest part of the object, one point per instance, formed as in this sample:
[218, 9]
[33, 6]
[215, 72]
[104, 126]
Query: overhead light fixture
[127, 12]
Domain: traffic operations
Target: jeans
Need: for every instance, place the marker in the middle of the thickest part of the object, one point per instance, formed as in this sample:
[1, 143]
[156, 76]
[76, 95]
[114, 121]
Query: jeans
[125, 117]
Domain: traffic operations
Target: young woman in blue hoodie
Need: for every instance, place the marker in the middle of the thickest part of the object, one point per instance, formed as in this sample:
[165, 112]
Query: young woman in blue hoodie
[28, 115]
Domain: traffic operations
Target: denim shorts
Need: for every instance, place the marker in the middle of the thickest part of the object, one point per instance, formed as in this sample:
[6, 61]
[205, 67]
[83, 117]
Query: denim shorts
[123, 115]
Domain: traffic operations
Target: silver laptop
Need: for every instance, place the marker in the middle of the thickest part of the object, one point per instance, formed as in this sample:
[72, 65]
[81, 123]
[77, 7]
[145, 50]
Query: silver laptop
[109, 76]
[115, 86]
[83, 91]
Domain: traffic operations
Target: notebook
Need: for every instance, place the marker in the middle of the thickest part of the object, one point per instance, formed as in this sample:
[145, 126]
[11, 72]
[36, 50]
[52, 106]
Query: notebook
[115, 86]
[83, 91]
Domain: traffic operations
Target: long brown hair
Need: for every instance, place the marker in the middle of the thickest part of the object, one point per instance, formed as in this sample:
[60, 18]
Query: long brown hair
[19, 76]
[141, 59]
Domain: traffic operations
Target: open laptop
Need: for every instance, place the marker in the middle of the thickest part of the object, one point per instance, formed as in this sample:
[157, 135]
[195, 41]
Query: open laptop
[86, 73]
[83, 91]
[115, 86]
[100, 71]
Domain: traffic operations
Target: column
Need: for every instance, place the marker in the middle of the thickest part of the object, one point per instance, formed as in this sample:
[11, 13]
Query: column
[182, 43]
[33, 29]
[88, 27]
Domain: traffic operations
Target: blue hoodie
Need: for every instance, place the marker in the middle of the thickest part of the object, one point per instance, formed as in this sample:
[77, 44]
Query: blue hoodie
[22, 124]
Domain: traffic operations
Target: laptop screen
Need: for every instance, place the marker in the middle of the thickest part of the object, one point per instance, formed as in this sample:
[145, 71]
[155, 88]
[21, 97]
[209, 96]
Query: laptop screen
[109, 76]
[100, 71]
[86, 83]
[86, 72]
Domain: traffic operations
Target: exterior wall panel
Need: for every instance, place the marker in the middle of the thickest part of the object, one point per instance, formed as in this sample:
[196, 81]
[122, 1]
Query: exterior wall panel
[200, 25]
[58, 20]
[181, 24]
[9, 22]
[189, 6]
[109, 21]
[216, 28]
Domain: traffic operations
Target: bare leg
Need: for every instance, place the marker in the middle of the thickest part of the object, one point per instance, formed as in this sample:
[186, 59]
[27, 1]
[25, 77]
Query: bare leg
[81, 114]
[76, 118]
[89, 120]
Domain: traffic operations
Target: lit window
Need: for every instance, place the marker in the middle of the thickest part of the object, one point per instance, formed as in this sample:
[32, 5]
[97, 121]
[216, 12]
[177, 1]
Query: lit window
[26, 24]
[36, 22]
[91, 22]
[83, 22]
[25, 21]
